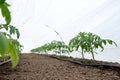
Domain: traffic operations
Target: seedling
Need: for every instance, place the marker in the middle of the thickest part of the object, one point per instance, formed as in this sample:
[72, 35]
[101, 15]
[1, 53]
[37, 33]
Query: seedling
[54, 46]
[88, 43]
[9, 46]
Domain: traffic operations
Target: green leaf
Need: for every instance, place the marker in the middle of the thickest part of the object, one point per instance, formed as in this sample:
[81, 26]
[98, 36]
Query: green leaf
[104, 41]
[5, 12]
[8, 5]
[6, 27]
[3, 45]
[18, 33]
[12, 30]
[115, 44]
[100, 45]
[2, 1]
[13, 54]
[110, 42]
[95, 45]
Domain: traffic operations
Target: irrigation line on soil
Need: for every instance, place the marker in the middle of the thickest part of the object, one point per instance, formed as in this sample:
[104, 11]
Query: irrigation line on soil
[75, 62]
[93, 65]
[4, 62]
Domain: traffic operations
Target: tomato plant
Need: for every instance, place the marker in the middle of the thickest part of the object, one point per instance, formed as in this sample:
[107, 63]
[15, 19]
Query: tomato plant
[9, 46]
[55, 46]
[83, 42]
[88, 43]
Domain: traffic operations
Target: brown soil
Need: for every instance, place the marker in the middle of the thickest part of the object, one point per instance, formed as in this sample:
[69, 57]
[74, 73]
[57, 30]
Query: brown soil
[43, 67]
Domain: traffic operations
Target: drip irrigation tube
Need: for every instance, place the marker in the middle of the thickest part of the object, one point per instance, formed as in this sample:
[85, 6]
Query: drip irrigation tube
[4, 62]
[93, 65]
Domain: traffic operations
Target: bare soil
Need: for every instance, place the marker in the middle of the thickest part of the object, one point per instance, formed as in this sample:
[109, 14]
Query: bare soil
[44, 67]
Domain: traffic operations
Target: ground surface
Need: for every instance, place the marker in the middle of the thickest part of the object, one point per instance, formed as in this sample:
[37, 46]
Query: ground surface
[41, 67]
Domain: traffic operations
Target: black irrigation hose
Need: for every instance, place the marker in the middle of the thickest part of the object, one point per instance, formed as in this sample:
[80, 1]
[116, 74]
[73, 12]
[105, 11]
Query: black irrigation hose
[66, 60]
[93, 65]
[4, 62]
[75, 62]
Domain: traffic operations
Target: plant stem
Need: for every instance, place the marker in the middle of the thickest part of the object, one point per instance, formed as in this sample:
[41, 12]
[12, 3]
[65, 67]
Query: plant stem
[82, 55]
[93, 55]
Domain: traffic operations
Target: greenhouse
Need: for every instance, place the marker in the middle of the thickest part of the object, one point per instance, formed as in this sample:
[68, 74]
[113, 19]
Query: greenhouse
[59, 40]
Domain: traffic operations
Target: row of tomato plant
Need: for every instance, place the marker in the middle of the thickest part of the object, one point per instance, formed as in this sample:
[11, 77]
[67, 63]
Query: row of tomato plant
[55, 46]
[9, 44]
[83, 42]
